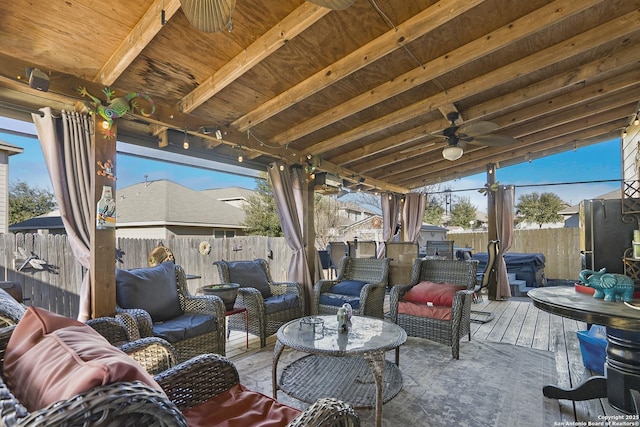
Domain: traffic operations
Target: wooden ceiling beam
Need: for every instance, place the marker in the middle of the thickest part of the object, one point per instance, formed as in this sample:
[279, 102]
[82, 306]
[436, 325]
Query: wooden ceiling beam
[63, 94]
[295, 23]
[622, 59]
[560, 144]
[598, 124]
[612, 30]
[135, 42]
[410, 30]
[535, 21]
[545, 128]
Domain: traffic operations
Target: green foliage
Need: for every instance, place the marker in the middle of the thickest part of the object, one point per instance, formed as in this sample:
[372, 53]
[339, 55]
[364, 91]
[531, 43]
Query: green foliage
[433, 212]
[261, 218]
[28, 202]
[539, 208]
[462, 213]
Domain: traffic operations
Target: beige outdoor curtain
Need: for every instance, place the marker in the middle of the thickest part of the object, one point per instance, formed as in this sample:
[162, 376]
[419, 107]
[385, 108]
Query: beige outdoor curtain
[412, 215]
[288, 192]
[505, 199]
[390, 204]
[66, 143]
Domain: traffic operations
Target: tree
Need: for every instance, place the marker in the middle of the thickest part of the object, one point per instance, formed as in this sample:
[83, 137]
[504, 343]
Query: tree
[433, 212]
[327, 219]
[261, 218]
[27, 202]
[463, 213]
[539, 208]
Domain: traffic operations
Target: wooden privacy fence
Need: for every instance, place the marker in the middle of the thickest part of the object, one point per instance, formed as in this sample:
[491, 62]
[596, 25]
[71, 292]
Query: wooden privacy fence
[57, 285]
[560, 246]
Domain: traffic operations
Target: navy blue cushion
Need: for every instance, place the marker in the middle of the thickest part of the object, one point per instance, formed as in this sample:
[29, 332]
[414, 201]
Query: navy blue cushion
[152, 289]
[338, 300]
[184, 327]
[278, 303]
[348, 287]
[250, 274]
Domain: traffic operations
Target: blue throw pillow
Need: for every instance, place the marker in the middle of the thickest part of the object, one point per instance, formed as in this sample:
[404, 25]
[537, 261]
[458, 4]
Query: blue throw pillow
[250, 274]
[152, 289]
[348, 287]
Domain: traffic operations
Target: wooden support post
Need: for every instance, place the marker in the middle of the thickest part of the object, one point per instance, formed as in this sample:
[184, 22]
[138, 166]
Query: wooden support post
[492, 229]
[103, 240]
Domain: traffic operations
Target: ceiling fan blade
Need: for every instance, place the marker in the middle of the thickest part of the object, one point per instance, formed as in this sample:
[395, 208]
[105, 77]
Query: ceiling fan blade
[493, 140]
[477, 128]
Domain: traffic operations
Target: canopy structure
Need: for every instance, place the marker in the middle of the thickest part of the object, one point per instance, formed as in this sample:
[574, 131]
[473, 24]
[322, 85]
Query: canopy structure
[359, 90]
[385, 95]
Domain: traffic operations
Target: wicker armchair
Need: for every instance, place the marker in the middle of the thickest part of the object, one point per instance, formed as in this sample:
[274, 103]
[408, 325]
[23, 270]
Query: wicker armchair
[269, 304]
[11, 311]
[191, 309]
[122, 404]
[154, 354]
[362, 282]
[447, 331]
[204, 377]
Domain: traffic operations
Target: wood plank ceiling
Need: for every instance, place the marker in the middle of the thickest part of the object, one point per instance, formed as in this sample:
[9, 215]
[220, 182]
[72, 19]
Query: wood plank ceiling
[361, 90]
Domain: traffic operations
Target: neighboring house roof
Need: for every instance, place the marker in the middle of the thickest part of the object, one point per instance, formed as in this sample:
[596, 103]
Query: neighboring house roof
[164, 202]
[572, 210]
[228, 193]
[430, 227]
[356, 208]
[10, 148]
[48, 221]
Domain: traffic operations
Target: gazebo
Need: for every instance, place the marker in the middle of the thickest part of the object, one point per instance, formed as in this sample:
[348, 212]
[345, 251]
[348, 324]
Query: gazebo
[383, 96]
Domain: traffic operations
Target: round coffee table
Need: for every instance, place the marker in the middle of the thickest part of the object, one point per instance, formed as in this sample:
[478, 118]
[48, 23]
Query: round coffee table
[349, 366]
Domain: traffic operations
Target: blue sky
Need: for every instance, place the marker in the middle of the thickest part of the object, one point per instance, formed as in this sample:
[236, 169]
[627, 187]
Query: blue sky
[596, 162]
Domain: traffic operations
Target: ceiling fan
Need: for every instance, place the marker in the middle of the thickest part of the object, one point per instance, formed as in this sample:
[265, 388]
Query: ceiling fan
[474, 133]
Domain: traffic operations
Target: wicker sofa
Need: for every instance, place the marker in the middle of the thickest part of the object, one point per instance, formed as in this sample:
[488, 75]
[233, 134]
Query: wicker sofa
[362, 282]
[457, 279]
[207, 384]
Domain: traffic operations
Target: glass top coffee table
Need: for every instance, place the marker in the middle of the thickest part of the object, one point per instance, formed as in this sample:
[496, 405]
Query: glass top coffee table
[349, 366]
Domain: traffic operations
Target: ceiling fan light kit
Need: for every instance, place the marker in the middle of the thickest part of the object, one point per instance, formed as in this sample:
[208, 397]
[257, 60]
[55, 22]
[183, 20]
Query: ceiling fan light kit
[469, 133]
[209, 16]
[452, 152]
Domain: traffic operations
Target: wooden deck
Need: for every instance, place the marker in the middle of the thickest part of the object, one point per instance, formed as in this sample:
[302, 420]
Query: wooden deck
[516, 322]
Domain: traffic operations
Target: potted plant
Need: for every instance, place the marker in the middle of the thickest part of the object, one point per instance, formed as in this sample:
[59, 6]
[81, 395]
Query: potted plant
[227, 292]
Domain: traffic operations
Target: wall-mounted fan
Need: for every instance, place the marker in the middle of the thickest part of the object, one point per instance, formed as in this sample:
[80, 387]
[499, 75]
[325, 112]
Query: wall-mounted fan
[474, 133]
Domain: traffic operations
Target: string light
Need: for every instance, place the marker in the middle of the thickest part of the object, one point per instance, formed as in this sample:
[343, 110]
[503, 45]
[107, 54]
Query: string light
[624, 132]
[281, 167]
[636, 122]
[185, 143]
[240, 155]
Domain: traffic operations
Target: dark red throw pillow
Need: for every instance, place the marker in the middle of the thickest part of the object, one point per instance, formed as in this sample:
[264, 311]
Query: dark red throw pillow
[438, 294]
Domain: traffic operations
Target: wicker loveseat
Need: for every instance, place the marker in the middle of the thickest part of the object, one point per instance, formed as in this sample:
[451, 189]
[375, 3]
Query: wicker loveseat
[269, 304]
[440, 310]
[82, 380]
[361, 282]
